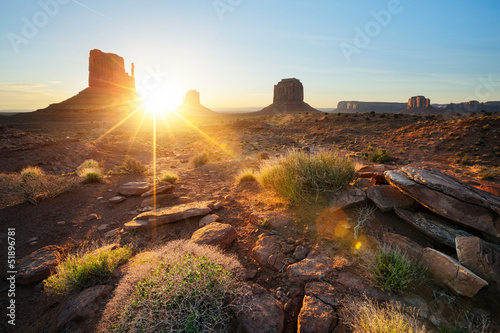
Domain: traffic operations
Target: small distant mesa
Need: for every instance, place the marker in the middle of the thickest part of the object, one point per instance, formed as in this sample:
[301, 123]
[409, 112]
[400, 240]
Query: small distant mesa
[191, 105]
[288, 98]
[111, 89]
[417, 105]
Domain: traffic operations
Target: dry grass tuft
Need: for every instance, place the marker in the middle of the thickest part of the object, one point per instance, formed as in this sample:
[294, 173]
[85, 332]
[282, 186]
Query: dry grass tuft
[180, 287]
[91, 171]
[299, 175]
[364, 315]
[33, 185]
[88, 267]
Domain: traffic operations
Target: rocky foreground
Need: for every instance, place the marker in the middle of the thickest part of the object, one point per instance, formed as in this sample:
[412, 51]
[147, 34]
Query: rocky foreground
[456, 231]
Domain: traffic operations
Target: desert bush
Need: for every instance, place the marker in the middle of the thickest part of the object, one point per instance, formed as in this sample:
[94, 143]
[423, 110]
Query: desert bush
[31, 173]
[364, 315]
[181, 287]
[169, 178]
[200, 159]
[381, 156]
[132, 165]
[487, 174]
[33, 185]
[91, 171]
[86, 268]
[393, 271]
[246, 176]
[299, 174]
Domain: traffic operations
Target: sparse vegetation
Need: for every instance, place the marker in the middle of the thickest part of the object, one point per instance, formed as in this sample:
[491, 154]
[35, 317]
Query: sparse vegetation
[91, 171]
[180, 288]
[132, 165]
[33, 185]
[487, 174]
[381, 156]
[200, 160]
[364, 315]
[169, 178]
[86, 268]
[263, 155]
[246, 176]
[393, 271]
[299, 174]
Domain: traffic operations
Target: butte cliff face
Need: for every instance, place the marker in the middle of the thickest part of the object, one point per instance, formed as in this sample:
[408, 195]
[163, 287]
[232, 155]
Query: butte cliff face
[191, 106]
[111, 89]
[107, 71]
[420, 105]
[288, 98]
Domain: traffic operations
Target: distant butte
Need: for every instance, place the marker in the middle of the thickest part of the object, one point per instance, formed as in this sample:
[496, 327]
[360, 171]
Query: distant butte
[191, 106]
[288, 98]
[420, 105]
[111, 89]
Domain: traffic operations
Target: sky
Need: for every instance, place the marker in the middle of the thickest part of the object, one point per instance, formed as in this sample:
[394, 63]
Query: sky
[234, 51]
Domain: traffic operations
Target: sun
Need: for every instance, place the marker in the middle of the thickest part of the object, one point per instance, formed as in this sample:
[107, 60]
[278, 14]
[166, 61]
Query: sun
[161, 101]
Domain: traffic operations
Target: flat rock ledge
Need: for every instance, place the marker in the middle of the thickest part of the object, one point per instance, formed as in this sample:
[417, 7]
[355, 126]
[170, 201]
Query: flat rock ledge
[169, 215]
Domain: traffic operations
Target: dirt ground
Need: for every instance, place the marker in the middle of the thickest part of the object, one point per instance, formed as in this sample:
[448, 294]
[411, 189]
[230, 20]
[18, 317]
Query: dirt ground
[233, 143]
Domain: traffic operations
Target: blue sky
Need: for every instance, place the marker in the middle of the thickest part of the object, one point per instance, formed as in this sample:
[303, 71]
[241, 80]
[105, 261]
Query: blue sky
[234, 51]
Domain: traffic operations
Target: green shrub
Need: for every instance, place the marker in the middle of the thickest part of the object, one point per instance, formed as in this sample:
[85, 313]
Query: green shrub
[364, 315]
[132, 165]
[182, 287]
[393, 270]
[86, 268]
[299, 174]
[91, 171]
[31, 173]
[246, 176]
[487, 174]
[200, 160]
[381, 156]
[169, 178]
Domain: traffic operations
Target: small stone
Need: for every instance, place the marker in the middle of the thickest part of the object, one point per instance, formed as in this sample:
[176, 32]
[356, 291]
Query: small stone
[215, 234]
[209, 219]
[300, 253]
[117, 199]
[33, 243]
[61, 223]
[100, 198]
[112, 233]
[102, 227]
[92, 217]
[217, 206]
[34, 239]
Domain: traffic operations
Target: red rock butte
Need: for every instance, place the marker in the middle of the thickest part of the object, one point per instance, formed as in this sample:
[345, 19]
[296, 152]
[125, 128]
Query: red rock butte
[191, 105]
[288, 98]
[111, 89]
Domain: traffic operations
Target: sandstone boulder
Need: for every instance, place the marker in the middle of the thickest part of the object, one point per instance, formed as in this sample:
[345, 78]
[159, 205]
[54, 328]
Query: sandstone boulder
[311, 268]
[84, 306]
[359, 286]
[267, 252]
[480, 257]
[169, 215]
[404, 245]
[160, 190]
[387, 197]
[215, 234]
[134, 188]
[432, 226]
[39, 265]
[450, 198]
[349, 197]
[324, 292]
[209, 219]
[374, 172]
[316, 316]
[450, 273]
[257, 311]
[117, 199]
